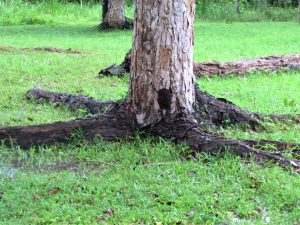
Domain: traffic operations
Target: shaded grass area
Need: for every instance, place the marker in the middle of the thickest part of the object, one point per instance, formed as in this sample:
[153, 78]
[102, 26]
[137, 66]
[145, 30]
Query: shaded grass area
[150, 180]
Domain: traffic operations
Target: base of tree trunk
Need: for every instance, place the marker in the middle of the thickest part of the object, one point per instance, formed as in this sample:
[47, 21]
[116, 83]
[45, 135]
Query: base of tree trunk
[240, 67]
[116, 122]
[124, 25]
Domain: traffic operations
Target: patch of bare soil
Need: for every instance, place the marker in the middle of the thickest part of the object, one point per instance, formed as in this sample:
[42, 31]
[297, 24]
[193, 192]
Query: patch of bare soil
[40, 49]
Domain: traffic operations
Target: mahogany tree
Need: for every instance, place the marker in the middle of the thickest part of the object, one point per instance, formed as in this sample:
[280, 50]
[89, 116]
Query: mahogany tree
[163, 99]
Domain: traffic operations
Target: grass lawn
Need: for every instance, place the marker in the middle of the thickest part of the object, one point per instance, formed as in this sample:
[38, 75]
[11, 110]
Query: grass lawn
[143, 179]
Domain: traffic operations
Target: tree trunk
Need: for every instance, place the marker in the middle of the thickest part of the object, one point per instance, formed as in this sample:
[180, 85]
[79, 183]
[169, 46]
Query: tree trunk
[162, 79]
[299, 11]
[237, 7]
[163, 99]
[113, 15]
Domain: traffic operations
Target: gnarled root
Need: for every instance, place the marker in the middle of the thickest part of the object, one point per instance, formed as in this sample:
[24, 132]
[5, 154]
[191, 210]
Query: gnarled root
[117, 123]
[211, 111]
[184, 129]
[112, 125]
[73, 102]
[239, 67]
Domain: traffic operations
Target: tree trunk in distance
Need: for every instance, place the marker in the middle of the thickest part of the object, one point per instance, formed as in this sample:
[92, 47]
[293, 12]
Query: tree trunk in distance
[113, 15]
[162, 79]
[237, 6]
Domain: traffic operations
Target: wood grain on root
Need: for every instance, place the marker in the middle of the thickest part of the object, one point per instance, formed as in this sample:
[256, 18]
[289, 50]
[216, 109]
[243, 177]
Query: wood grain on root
[73, 102]
[184, 129]
[116, 124]
[42, 49]
[211, 111]
[239, 67]
[112, 125]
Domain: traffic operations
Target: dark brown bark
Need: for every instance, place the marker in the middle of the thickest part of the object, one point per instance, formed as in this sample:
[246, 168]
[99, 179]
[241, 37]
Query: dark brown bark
[112, 125]
[117, 124]
[210, 111]
[162, 100]
[240, 67]
[201, 141]
[113, 15]
[73, 102]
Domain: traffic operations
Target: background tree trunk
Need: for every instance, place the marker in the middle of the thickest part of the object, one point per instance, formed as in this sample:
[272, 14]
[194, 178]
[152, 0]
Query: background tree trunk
[113, 15]
[299, 11]
[237, 7]
[162, 79]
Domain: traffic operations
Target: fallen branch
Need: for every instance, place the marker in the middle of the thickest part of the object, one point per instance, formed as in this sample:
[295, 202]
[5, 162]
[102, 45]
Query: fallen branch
[240, 67]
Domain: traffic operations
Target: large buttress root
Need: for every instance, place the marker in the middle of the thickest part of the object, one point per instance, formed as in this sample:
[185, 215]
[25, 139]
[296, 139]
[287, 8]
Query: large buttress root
[112, 125]
[219, 111]
[239, 67]
[184, 129]
[211, 111]
[117, 123]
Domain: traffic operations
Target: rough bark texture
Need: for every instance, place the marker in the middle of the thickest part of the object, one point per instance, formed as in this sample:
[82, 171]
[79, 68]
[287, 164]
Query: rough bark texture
[210, 111]
[162, 99]
[113, 15]
[201, 141]
[240, 67]
[112, 125]
[73, 102]
[162, 80]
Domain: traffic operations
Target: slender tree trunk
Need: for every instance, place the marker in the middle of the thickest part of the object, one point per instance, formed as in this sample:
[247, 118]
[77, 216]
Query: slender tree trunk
[237, 6]
[162, 79]
[113, 15]
[299, 11]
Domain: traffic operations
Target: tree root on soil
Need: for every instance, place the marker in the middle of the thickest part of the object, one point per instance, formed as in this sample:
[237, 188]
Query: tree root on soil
[117, 122]
[127, 25]
[240, 67]
[211, 111]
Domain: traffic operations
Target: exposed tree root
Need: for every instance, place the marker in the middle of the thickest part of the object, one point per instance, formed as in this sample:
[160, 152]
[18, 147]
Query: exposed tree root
[112, 125]
[240, 67]
[117, 123]
[127, 25]
[73, 102]
[212, 111]
[183, 129]
[44, 49]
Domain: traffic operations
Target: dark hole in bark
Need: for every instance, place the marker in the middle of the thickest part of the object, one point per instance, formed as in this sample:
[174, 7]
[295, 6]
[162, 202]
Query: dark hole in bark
[164, 98]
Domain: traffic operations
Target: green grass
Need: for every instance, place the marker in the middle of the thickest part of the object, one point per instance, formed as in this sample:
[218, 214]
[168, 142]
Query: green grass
[15, 12]
[218, 190]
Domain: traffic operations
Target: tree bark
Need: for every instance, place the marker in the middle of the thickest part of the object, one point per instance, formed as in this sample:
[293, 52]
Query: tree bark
[163, 99]
[237, 7]
[239, 67]
[73, 102]
[112, 125]
[113, 15]
[162, 79]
